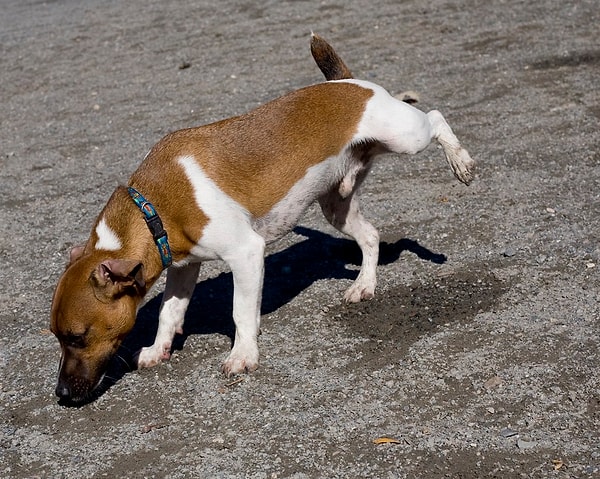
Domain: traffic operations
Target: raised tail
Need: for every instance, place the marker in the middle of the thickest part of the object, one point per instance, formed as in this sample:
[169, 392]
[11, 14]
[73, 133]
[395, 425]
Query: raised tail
[334, 68]
[328, 61]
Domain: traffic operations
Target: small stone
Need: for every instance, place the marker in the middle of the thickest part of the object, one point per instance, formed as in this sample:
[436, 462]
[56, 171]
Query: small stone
[521, 444]
[509, 252]
[508, 432]
[493, 382]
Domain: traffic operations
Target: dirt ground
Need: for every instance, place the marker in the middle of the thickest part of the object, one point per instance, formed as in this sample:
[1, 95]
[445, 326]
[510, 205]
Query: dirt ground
[479, 355]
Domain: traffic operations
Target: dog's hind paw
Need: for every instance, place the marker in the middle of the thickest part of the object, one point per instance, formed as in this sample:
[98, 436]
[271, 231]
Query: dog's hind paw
[152, 355]
[359, 292]
[462, 164]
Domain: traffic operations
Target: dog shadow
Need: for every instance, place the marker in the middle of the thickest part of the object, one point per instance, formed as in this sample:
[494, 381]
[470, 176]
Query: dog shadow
[287, 273]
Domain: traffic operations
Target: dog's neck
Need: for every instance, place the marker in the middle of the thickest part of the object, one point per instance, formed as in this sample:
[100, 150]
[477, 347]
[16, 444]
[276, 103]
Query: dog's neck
[121, 232]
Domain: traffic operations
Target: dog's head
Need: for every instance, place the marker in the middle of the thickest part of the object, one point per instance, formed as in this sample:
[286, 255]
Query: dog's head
[93, 309]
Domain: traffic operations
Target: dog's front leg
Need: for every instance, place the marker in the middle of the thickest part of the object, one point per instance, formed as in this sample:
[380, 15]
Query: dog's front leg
[181, 282]
[246, 261]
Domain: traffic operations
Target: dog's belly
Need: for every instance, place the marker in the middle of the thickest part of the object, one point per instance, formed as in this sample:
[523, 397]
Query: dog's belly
[319, 179]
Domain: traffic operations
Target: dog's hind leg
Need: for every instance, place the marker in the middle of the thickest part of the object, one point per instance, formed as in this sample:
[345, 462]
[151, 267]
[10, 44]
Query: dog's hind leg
[401, 128]
[344, 214]
[181, 282]
[458, 158]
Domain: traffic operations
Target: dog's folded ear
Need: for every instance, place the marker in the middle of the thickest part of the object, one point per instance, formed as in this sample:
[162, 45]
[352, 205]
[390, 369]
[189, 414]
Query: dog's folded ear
[76, 253]
[116, 277]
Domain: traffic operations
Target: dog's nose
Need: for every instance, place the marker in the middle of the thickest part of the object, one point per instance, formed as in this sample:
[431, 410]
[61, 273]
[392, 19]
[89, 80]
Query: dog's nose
[63, 391]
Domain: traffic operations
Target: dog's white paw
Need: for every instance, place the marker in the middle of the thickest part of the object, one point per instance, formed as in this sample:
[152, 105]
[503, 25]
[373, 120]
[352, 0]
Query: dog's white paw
[359, 291]
[462, 164]
[152, 355]
[241, 360]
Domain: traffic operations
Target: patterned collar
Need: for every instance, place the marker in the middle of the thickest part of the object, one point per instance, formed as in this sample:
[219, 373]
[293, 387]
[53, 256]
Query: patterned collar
[154, 225]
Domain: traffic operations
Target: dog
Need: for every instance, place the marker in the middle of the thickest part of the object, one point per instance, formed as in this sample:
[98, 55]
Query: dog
[223, 191]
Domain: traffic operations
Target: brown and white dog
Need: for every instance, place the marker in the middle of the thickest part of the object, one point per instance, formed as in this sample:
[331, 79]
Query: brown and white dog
[223, 191]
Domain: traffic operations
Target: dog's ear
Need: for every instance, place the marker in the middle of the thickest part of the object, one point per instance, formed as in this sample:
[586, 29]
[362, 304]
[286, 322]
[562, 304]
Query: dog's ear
[115, 277]
[76, 253]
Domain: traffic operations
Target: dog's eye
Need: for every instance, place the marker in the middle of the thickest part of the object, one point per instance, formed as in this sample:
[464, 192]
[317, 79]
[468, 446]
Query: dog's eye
[75, 340]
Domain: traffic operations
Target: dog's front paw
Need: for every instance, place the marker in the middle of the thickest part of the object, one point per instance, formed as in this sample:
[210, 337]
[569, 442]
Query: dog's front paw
[241, 360]
[152, 355]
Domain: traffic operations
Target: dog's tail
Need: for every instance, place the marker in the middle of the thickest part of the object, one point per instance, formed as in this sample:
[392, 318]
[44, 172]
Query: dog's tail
[328, 61]
[334, 68]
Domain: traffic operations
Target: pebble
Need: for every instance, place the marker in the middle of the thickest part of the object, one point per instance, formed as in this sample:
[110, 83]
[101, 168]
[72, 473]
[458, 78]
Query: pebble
[508, 432]
[521, 444]
[493, 382]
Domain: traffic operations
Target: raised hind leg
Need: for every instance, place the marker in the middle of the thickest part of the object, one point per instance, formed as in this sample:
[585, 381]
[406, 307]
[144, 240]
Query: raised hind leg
[458, 158]
[404, 129]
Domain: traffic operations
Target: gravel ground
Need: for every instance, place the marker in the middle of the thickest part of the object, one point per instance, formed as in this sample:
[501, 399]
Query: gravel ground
[479, 354]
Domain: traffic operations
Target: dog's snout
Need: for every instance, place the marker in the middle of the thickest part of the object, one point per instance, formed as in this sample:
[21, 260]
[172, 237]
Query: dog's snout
[62, 390]
[77, 381]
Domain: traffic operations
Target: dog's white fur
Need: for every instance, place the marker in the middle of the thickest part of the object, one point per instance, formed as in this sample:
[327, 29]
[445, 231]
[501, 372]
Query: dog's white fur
[232, 235]
[107, 238]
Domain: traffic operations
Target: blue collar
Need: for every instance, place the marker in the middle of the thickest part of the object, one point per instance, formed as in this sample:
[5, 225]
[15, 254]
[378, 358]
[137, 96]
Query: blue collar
[154, 225]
